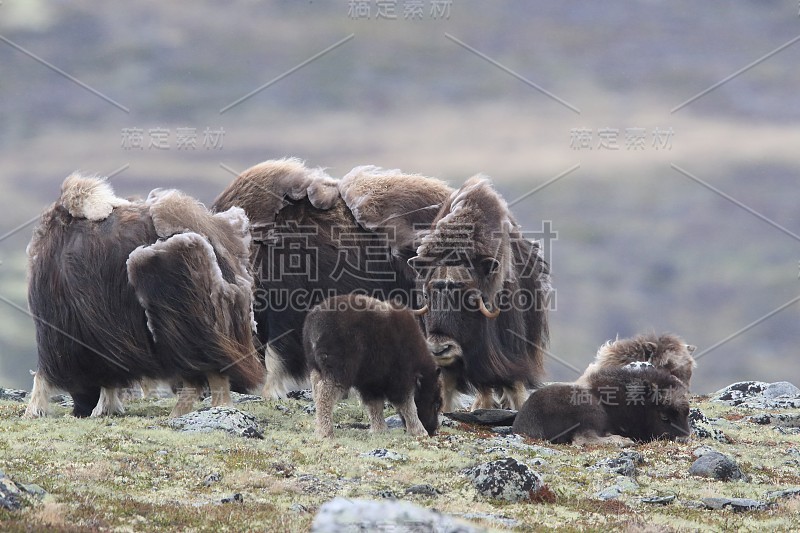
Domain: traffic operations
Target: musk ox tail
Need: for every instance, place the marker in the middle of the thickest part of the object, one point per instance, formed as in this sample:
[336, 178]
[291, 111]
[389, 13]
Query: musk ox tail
[194, 315]
[89, 197]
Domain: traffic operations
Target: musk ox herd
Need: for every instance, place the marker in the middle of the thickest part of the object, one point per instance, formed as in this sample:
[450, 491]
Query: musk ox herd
[392, 284]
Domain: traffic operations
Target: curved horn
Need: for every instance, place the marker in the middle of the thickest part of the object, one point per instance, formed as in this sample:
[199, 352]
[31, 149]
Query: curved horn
[485, 312]
[422, 311]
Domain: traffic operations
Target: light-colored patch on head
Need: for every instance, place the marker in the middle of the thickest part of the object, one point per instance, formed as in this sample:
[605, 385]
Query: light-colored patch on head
[89, 197]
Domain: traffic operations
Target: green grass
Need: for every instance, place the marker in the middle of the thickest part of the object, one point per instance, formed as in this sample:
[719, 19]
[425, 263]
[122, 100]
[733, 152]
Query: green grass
[133, 473]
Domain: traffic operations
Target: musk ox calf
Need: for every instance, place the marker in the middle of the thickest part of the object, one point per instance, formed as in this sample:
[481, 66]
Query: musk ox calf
[357, 341]
[638, 402]
[665, 351]
[123, 290]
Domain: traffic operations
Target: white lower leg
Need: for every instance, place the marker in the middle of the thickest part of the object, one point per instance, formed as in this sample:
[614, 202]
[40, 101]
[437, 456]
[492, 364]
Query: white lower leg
[483, 400]
[40, 397]
[109, 403]
[514, 396]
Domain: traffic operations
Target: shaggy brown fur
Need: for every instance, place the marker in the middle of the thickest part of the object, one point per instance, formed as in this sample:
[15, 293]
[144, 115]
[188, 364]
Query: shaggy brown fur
[475, 250]
[361, 342]
[665, 351]
[618, 405]
[343, 255]
[381, 198]
[264, 189]
[114, 304]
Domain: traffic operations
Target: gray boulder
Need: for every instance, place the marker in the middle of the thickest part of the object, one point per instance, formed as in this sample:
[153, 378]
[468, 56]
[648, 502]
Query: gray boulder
[341, 514]
[226, 419]
[505, 479]
[737, 504]
[624, 465]
[760, 395]
[718, 466]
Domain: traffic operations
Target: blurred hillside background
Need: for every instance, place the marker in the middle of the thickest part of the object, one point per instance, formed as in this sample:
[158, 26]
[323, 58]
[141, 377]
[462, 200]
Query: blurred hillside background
[641, 246]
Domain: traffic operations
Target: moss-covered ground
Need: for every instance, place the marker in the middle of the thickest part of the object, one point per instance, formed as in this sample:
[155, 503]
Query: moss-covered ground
[132, 473]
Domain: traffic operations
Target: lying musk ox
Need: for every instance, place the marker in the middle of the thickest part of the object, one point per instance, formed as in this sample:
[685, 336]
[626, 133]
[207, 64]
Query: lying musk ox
[663, 351]
[357, 341]
[315, 237]
[638, 402]
[123, 290]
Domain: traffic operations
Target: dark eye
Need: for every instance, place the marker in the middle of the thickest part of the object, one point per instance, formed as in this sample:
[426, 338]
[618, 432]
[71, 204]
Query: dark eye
[664, 417]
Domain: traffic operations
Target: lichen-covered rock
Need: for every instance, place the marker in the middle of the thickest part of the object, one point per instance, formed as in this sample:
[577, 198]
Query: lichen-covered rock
[13, 395]
[788, 493]
[737, 504]
[702, 426]
[760, 395]
[624, 484]
[423, 490]
[624, 465]
[342, 514]
[383, 453]
[226, 419]
[237, 398]
[717, 466]
[10, 495]
[505, 479]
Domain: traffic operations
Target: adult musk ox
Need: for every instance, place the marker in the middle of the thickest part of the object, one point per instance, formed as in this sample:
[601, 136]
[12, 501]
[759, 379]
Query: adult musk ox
[617, 405]
[123, 290]
[486, 296]
[315, 237]
[357, 341]
[665, 351]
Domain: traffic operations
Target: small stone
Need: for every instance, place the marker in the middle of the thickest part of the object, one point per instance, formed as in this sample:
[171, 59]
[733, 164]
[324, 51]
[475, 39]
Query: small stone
[502, 430]
[737, 504]
[304, 394]
[298, 508]
[310, 409]
[624, 464]
[503, 521]
[282, 408]
[211, 479]
[226, 419]
[386, 494]
[162, 452]
[233, 498]
[717, 466]
[485, 417]
[33, 489]
[659, 500]
[788, 493]
[610, 493]
[423, 490]
[505, 479]
[383, 453]
[9, 495]
[789, 451]
[395, 422]
[762, 419]
[13, 395]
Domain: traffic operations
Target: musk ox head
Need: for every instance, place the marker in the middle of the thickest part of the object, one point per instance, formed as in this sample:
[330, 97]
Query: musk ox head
[643, 402]
[472, 264]
[428, 399]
